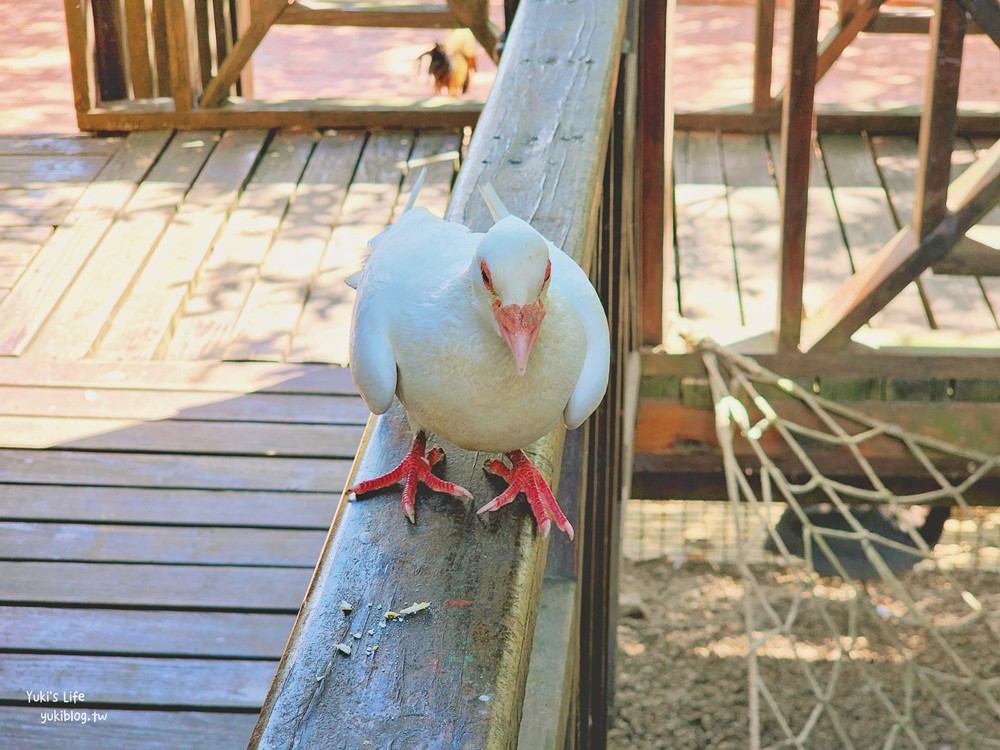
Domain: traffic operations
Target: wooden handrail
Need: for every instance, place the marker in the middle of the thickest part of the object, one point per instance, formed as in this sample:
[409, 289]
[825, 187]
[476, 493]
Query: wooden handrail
[455, 675]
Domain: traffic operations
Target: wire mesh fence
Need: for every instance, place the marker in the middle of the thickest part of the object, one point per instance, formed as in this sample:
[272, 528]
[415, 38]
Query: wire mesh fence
[869, 620]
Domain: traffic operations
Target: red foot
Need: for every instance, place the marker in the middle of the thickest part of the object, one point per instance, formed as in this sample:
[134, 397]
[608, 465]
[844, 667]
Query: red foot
[522, 476]
[415, 467]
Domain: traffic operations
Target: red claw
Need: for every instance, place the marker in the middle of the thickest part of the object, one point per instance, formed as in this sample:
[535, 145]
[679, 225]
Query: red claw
[522, 476]
[415, 467]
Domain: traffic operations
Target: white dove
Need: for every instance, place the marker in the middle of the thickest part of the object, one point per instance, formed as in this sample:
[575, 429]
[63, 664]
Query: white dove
[489, 341]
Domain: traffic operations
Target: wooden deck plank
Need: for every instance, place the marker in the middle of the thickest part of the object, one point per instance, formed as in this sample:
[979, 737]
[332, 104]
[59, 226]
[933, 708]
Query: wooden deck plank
[142, 324]
[34, 206]
[33, 172]
[705, 262]
[170, 471]
[867, 220]
[196, 587]
[168, 436]
[18, 245]
[222, 287]
[755, 212]
[149, 730]
[198, 406]
[59, 145]
[86, 307]
[131, 505]
[828, 261]
[25, 309]
[955, 302]
[219, 377]
[371, 198]
[65, 542]
[143, 632]
[134, 680]
[268, 321]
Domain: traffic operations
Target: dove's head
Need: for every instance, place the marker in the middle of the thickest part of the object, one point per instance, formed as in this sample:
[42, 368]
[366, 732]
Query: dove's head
[510, 274]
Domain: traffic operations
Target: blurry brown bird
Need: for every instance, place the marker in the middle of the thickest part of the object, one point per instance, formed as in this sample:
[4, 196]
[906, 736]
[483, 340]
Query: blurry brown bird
[450, 72]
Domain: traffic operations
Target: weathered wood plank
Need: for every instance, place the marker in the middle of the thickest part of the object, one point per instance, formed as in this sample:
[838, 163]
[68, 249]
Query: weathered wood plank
[143, 632]
[408, 15]
[63, 145]
[25, 309]
[167, 471]
[142, 323]
[150, 730]
[763, 55]
[88, 303]
[168, 436]
[157, 586]
[287, 276]
[282, 548]
[371, 198]
[868, 222]
[180, 62]
[18, 245]
[954, 302]
[132, 680]
[218, 377]
[754, 211]
[131, 505]
[705, 263]
[181, 405]
[27, 171]
[546, 160]
[384, 113]
[109, 58]
[229, 271]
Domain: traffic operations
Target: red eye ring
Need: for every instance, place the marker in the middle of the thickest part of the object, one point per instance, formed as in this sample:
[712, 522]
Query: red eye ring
[487, 279]
[548, 272]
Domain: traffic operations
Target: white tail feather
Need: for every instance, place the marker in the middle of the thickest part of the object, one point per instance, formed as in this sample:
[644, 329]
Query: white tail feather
[497, 209]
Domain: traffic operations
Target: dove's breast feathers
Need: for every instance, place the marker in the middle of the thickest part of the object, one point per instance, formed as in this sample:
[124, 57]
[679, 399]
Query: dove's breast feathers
[418, 333]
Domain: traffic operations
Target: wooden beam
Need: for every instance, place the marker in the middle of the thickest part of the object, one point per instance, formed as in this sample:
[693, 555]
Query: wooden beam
[182, 74]
[654, 145]
[79, 58]
[986, 13]
[268, 11]
[437, 113]
[482, 578]
[763, 55]
[366, 14]
[884, 119]
[970, 257]
[937, 127]
[137, 40]
[905, 257]
[843, 33]
[796, 157]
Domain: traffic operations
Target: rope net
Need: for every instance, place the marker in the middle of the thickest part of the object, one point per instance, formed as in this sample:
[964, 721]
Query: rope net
[890, 658]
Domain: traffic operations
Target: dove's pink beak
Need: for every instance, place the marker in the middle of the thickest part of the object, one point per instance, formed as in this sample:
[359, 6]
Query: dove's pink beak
[519, 326]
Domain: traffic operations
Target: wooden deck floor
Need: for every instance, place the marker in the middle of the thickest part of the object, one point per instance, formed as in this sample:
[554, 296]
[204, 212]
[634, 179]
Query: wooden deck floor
[725, 265]
[173, 443]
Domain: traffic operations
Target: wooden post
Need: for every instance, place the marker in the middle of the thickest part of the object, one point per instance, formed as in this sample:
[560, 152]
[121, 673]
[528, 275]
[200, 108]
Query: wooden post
[796, 155]
[109, 50]
[763, 54]
[937, 125]
[654, 147]
[79, 60]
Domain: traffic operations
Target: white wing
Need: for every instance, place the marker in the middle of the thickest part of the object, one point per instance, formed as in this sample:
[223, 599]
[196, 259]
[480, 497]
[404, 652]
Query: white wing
[409, 262]
[574, 285]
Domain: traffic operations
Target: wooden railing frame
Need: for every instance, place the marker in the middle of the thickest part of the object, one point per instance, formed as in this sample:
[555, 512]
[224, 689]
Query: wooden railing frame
[458, 673]
[183, 76]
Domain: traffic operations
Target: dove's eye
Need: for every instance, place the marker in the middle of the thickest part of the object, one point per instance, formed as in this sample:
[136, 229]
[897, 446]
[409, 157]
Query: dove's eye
[487, 279]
